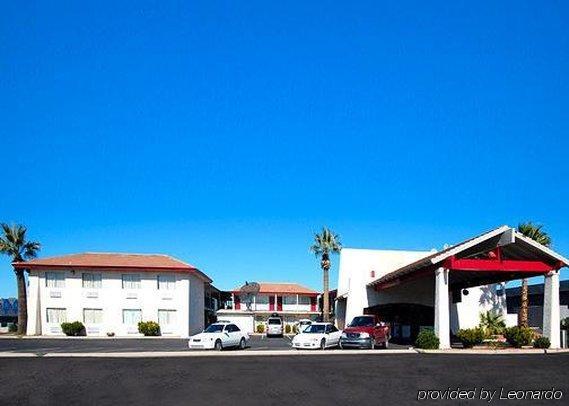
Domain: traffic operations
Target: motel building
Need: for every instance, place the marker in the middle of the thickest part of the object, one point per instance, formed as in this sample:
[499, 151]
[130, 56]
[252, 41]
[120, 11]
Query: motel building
[110, 293]
[291, 301]
[446, 290]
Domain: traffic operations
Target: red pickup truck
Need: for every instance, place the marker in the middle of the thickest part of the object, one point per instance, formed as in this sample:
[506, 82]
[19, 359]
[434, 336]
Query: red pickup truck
[365, 331]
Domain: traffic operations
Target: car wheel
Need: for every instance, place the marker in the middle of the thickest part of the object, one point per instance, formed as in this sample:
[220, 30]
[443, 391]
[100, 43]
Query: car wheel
[372, 343]
[242, 344]
[323, 344]
[218, 345]
[340, 345]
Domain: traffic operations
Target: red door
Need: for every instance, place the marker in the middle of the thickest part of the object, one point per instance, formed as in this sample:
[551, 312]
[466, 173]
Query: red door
[279, 303]
[271, 302]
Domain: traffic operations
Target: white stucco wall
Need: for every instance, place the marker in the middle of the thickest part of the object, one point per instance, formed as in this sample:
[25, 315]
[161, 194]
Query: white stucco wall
[355, 272]
[244, 320]
[112, 299]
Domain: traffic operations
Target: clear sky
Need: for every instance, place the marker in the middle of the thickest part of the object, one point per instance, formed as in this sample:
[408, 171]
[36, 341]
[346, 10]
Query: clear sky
[226, 133]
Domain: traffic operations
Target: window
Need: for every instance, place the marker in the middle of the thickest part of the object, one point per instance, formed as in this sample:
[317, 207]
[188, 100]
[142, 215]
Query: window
[92, 316]
[304, 300]
[56, 315]
[289, 300]
[131, 316]
[262, 299]
[166, 317]
[232, 328]
[55, 279]
[166, 282]
[92, 280]
[131, 281]
[331, 329]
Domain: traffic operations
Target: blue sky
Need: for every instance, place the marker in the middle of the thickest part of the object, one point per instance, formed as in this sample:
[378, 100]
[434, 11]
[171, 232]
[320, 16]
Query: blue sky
[226, 133]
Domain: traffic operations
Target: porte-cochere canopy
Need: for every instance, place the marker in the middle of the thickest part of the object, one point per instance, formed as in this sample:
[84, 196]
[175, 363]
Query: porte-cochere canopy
[500, 255]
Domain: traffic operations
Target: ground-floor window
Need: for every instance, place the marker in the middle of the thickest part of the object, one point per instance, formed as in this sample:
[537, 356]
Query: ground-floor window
[131, 316]
[93, 316]
[56, 315]
[166, 317]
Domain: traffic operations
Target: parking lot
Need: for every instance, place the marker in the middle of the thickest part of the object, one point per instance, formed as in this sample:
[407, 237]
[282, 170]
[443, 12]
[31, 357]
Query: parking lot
[77, 345]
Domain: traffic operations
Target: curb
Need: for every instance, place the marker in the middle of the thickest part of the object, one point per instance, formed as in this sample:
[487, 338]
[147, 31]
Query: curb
[201, 354]
[511, 351]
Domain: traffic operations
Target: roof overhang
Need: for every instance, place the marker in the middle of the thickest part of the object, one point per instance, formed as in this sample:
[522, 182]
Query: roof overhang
[499, 255]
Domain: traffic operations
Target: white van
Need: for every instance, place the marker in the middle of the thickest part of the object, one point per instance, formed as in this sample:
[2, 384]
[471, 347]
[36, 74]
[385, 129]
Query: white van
[274, 326]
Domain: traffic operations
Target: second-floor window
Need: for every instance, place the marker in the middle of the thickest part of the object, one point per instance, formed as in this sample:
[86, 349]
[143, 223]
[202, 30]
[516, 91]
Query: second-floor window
[289, 300]
[304, 300]
[131, 281]
[92, 280]
[55, 279]
[166, 282]
[262, 299]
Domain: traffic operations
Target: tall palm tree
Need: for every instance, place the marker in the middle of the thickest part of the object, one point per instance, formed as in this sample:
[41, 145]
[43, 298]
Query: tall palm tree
[536, 233]
[13, 242]
[326, 243]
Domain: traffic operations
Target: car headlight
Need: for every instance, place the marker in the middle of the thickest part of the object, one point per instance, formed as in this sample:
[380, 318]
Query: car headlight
[364, 335]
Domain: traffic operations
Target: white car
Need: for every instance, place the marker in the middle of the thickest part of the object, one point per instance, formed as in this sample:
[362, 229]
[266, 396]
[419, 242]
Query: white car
[219, 336]
[317, 336]
[302, 324]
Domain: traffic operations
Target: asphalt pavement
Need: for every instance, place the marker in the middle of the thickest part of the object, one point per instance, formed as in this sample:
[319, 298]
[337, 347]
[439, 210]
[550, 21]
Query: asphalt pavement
[93, 345]
[277, 380]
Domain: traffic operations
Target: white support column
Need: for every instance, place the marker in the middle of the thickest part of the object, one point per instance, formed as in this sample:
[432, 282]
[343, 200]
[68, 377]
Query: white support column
[551, 308]
[442, 308]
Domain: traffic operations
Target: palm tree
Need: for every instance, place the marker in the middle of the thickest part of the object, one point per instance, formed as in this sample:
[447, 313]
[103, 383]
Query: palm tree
[13, 242]
[535, 232]
[326, 243]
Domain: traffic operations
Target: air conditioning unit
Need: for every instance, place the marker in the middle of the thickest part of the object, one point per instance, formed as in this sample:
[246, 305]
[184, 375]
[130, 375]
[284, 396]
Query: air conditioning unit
[55, 293]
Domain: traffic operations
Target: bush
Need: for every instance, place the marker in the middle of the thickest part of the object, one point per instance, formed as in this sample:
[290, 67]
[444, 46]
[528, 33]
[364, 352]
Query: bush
[295, 329]
[492, 323]
[149, 328]
[75, 328]
[565, 323]
[12, 327]
[288, 329]
[427, 340]
[519, 336]
[541, 342]
[470, 336]
[260, 328]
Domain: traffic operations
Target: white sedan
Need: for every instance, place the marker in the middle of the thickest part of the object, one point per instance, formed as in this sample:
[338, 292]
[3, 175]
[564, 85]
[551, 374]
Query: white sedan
[219, 336]
[317, 336]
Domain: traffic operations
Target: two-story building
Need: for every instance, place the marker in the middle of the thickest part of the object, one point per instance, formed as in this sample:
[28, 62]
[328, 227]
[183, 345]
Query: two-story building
[110, 293]
[290, 300]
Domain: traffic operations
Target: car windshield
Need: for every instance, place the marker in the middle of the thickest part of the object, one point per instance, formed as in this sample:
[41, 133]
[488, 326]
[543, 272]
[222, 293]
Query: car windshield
[362, 322]
[274, 321]
[214, 328]
[315, 329]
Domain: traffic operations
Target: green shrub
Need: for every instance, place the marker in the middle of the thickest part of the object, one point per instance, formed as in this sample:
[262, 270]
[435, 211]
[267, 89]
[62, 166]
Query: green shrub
[565, 323]
[260, 328]
[149, 328]
[75, 328]
[427, 340]
[492, 323]
[470, 336]
[12, 327]
[295, 329]
[288, 328]
[519, 336]
[541, 342]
